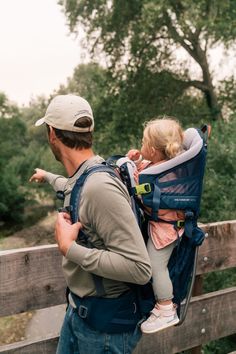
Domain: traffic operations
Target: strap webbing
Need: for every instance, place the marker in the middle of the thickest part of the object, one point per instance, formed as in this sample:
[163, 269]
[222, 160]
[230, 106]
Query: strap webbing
[74, 212]
[156, 198]
[188, 225]
[77, 189]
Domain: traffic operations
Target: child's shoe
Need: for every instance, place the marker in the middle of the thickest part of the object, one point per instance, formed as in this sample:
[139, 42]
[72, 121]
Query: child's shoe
[162, 316]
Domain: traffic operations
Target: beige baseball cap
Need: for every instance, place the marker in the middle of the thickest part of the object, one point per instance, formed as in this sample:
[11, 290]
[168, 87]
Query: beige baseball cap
[64, 110]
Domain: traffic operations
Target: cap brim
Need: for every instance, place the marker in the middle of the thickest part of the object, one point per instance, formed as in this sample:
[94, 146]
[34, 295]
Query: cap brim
[40, 122]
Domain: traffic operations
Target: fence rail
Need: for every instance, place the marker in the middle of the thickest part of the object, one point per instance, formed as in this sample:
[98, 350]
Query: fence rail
[31, 279]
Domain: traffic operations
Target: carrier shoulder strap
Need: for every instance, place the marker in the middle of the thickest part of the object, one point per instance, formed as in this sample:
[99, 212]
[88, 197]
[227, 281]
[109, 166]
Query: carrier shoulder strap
[74, 212]
[77, 189]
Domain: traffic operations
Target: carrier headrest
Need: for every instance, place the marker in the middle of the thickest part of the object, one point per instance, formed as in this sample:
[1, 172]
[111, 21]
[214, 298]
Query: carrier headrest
[192, 146]
[192, 139]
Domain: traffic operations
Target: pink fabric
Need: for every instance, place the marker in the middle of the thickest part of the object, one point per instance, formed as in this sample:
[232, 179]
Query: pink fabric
[162, 234]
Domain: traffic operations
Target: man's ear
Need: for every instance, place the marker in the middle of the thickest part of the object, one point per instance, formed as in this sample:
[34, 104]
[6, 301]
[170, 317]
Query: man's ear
[51, 134]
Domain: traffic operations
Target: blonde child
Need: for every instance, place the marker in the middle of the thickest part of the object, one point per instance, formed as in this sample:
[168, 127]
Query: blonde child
[162, 140]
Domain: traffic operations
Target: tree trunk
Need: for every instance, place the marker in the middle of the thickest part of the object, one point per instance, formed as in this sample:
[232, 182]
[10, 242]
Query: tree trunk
[210, 94]
[213, 104]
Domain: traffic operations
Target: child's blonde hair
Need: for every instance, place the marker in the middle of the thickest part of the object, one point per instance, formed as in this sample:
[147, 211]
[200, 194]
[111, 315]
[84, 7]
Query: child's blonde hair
[164, 134]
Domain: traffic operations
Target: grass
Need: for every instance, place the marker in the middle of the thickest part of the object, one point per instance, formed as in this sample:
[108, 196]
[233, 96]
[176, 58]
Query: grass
[12, 328]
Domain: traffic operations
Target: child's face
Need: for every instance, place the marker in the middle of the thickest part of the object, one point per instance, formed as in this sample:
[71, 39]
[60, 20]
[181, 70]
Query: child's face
[146, 151]
[150, 153]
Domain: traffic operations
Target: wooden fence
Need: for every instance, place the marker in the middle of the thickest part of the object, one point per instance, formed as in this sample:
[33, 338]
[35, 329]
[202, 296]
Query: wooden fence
[32, 279]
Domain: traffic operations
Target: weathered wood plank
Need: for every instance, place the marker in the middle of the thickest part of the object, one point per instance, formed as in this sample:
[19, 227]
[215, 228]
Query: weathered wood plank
[31, 278]
[210, 316]
[218, 251]
[207, 319]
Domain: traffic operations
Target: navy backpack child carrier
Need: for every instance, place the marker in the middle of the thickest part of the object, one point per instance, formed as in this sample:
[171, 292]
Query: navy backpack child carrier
[175, 184]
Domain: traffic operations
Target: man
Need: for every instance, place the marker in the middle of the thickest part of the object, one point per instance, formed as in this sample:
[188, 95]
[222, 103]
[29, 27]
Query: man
[118, 255]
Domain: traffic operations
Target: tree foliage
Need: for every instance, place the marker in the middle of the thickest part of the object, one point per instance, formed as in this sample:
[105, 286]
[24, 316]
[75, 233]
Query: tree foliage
[218, 202]
[7, 108]
[12, 141]
[90, 81]
[23, 147]
[140, 34]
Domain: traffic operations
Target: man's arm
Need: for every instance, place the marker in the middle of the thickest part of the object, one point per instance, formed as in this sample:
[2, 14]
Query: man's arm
[58, 182]
[106, 208]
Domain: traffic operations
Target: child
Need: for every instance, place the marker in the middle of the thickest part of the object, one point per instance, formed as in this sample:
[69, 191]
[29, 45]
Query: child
[162, 140]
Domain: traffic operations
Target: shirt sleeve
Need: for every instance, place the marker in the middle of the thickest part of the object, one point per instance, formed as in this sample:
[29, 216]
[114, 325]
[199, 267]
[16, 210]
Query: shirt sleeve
[57, 182]
[105, 205]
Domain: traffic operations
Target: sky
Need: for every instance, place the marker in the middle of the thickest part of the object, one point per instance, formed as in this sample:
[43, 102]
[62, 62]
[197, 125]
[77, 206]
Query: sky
[37, 54]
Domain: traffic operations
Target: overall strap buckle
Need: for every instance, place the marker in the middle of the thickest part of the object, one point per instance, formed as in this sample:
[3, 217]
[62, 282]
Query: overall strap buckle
[180, 223]
[82, 311]
[143, 188]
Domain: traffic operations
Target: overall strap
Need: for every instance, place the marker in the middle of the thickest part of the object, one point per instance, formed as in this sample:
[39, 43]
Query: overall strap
[74, 213]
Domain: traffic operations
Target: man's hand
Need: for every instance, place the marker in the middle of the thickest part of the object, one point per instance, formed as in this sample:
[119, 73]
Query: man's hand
[38, 176]
[65, 232]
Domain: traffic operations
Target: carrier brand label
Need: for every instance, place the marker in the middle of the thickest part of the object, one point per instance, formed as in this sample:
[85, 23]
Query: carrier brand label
[184, 199]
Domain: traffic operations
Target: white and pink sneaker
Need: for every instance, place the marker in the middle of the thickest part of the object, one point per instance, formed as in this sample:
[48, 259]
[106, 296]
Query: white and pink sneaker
[161, 317]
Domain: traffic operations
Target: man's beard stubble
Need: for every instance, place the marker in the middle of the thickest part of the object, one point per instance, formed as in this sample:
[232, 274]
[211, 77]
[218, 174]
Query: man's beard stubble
[56, 152]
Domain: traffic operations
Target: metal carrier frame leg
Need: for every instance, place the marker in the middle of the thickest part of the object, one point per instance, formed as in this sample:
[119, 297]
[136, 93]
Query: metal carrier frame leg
[185, 305]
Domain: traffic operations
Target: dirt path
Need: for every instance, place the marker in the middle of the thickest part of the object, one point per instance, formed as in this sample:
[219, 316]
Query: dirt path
[41, 233]
[45, 322]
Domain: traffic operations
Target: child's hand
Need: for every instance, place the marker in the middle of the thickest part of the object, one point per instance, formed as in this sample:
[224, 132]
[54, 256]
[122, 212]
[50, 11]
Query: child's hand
[133, 154]
[38, 176]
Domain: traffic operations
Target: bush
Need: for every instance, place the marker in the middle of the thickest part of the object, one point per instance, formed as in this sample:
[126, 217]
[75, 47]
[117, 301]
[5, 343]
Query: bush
[218, 200]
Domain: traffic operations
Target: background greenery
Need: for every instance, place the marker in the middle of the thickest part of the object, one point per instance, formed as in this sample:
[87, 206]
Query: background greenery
[143, 78]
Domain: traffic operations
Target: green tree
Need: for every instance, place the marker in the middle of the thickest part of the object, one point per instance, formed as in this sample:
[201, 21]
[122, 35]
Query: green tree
[12, 143]
[145, 33]
[7, 109]
[37, 153]
[218, 201]
[22, 147]
[90, 81]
